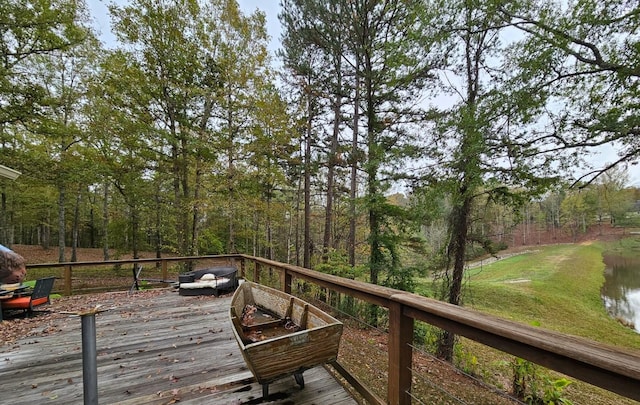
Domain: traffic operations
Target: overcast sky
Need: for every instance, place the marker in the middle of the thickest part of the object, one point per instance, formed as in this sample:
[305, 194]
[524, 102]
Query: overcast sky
[271, 8]
[102, 23]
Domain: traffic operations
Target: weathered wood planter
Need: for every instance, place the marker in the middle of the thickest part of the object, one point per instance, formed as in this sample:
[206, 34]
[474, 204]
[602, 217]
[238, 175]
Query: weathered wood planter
[281, 335]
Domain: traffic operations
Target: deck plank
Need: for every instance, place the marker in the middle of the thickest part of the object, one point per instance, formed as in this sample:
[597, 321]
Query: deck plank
[157, 350]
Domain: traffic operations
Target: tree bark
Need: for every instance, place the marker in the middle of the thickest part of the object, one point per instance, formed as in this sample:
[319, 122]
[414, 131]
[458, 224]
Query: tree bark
[61, 223]
[308, 245]
[353, 188]
[331, 168]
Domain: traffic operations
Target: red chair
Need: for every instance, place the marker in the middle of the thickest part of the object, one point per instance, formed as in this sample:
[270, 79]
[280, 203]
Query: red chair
[39, 296]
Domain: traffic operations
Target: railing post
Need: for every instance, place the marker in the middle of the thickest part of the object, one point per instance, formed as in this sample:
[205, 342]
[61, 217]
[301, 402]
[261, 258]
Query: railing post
[286, 278]
[242, 267]
[400, 355]
[67, 280]
[256, 273]
[165, 271]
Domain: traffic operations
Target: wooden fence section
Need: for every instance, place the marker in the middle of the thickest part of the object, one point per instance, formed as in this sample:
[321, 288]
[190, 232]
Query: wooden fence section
[601, 365]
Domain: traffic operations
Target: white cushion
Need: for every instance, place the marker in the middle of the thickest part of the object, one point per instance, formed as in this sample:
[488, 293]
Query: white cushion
[205, 283]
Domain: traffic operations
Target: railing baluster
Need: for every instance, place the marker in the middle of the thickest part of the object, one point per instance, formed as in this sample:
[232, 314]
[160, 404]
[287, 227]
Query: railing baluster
[67, 280]
[400, 355]
[287, 282]
[165, 271]
[256, 272]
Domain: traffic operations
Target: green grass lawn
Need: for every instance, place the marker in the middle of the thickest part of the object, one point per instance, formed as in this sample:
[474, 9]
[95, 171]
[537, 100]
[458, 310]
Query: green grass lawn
[555, 287]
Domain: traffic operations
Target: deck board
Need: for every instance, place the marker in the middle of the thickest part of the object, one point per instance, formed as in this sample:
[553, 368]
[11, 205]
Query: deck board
[157, 350]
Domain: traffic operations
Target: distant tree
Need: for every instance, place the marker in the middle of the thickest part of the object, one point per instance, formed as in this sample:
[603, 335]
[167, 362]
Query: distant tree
[165, 40]
[575, 213]
[30, 30]
[193, 74]
[613, 194]
[270, 150]
[119, 131]
[197, 64]
[61, 127]
[378, 62]
[484, 145]
[393, 67]
[304, 58]
[243, 76]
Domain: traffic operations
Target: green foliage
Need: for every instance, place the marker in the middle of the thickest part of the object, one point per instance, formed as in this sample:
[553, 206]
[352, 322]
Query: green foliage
[548, 293]
[524, 379]
[589, 86]
[426, 336]
[337, 264]
[466, 360]
[209, 243]
[401, 278]
[536, 387]
[477, 250]
[32, 28]
[553, 393]
[181, 131]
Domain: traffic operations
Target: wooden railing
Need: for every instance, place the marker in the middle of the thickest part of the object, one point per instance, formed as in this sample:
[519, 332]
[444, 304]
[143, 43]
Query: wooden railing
[100, 269]
[604, 366]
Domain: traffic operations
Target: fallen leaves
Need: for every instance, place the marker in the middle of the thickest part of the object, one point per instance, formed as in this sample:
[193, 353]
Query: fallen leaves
[55, 317]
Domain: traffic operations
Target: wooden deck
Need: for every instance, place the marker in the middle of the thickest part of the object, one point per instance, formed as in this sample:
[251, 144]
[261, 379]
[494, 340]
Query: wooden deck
[160, 350]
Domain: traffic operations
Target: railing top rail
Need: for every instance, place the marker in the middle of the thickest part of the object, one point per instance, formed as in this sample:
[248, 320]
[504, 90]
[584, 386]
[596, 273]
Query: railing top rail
[375, 294]
[128, 261]
[569, 354]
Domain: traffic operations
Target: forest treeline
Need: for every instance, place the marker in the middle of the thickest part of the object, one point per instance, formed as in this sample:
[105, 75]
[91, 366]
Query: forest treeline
[380, 128]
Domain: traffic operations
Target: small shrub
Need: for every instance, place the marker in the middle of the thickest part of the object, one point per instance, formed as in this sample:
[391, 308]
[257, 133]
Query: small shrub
[534, 387]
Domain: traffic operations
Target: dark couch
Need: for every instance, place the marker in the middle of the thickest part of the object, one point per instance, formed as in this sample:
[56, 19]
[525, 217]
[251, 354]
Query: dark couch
[209, 281]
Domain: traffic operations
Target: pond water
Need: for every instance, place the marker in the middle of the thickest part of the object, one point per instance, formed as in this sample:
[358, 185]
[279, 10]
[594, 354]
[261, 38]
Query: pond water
[621, 289]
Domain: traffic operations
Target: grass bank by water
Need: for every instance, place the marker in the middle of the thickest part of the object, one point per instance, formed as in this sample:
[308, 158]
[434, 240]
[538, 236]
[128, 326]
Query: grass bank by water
[554, 287]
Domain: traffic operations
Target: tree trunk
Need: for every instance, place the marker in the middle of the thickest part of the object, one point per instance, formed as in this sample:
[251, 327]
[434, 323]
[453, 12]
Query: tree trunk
[268, 227]
[105, 222]
[308, 246]
[158, 226]
[186, 204]
[231, 241]
[61, 223]
[372, 166]
[193, 250]
[299, 193]
[46, 231]
[75, 231]
[468, 168]
[353, 192]
[457, 250]
[93, 199]
[135, 226]
[331, 167]
[4, 223]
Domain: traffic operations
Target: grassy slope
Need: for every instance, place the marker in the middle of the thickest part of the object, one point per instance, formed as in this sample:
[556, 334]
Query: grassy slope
[563, 293]
[555, 287]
